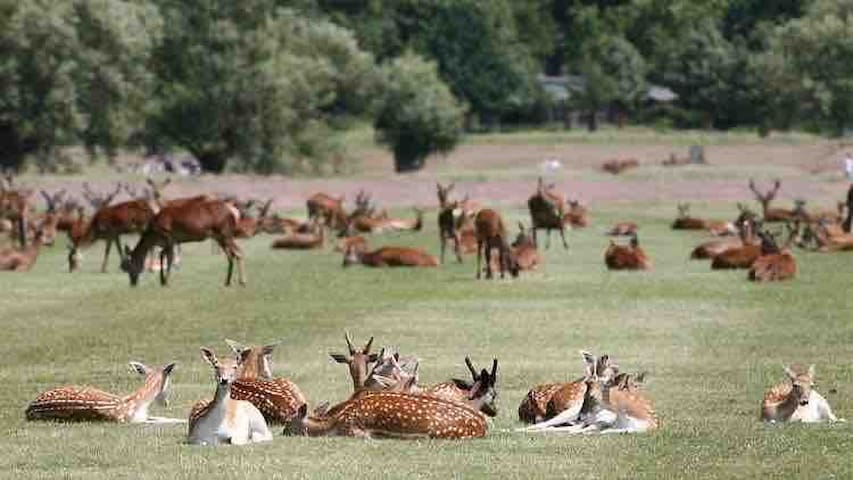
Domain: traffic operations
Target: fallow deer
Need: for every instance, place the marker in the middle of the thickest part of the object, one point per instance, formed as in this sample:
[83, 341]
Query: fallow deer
[491, 234]
[630, 257]
[225, 420]
[358, 361]
[461, 391]
[685, 221]
[21, 260]
[771, 214]
[774, 264]
[546, 212]
[796, 400]
[623, 229]
[75, 403]
[189, 222]
[327, 210]
[389, 257]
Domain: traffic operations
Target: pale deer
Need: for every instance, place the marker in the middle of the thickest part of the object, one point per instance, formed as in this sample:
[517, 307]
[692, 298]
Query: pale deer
[623, 229]
[327, 210]
[389, 257]
[629, 257]
[76, 403]
[22, 260]
[774, 264]
[491, 234]
[796, 400]
[363, 223]
[188, 222]
[546, 212]
[771, 214]
[358, 361]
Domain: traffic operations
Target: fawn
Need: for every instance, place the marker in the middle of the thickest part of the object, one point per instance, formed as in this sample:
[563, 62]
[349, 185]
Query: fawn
[796, 400]
[631, 257]
[22, 260]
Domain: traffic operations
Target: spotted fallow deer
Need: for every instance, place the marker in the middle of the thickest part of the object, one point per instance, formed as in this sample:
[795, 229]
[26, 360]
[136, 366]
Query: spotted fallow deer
[546, 212]
[796, 400]
[389, 257]
[358, 361]
[75, 403]
[225, 420]
[21, 260]
[462, 391]
[491, 234]
[627, 257]
[774, 264]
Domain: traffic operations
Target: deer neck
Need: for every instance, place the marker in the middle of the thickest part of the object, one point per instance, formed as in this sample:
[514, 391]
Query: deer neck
[318, 426]
[140, 251]
[134, 407]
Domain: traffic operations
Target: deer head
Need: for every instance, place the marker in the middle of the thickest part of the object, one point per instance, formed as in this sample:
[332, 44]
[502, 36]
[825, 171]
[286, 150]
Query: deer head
[765, 198]
[683, 210]
[444, 193]
[482, 394]
[100, 200]
[225, 371]
[801, 382]
[258, 361]
[768, 242]
[357, 360]
[164, 384]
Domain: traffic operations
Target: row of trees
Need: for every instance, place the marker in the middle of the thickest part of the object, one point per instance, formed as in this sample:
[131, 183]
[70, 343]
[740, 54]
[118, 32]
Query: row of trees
[270, 85]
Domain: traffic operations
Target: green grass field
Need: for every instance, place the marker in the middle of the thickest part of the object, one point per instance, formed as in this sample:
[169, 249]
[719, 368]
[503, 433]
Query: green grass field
[711, 342]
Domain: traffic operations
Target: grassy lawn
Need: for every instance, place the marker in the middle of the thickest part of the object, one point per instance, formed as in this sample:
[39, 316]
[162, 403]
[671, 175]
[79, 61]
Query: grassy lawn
[711, 342]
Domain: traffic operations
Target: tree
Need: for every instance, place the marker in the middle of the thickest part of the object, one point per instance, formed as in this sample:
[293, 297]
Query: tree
[416, 114]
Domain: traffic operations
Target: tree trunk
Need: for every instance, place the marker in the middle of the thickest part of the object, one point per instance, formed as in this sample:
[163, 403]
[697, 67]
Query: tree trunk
[212, 162]
[592, 121]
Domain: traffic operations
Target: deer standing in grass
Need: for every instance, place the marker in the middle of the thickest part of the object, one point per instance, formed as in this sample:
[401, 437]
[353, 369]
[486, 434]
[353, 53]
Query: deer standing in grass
[327, 210]
[546, 212]
[75, 403]
[455, 222]
[796, 400]
[491, 234]
[774, 264]
[225, 420]
[630, 257]
[389, 257]
[15, 207]
[771, 214]
[21, 260]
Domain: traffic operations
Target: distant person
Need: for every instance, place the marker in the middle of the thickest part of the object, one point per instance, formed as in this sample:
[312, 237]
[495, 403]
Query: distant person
[848, 166]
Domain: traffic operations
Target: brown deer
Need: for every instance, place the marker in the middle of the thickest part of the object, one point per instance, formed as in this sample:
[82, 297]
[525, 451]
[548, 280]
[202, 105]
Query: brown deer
[685, 221]
[48, 221]
[444, 201]
[349, 239]
[796, 400]
[546, 212]
[389, 257]
[327, 210]
[75, 403]
[301, 241]
[15, 207]
[771, 214]
[224, 419]
[249, 225]
[630, 257]
[576, 217]
[22, 260]
[774, 264]
[829, 239]
[456, 224]
[358, 361]
[109, 223]
[491, 234]
[623, 229]
[188, 222]
[523, 252]
[617, 166]
[712, 248]
[741, 256]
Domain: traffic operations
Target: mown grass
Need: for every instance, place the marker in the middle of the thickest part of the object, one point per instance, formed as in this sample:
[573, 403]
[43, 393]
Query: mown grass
[711, 341]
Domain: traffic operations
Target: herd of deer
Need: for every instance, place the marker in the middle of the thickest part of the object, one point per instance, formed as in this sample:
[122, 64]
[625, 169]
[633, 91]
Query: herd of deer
[387, 401]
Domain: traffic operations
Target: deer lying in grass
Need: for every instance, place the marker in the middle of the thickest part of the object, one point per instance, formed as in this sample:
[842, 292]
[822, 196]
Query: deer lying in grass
[21, 260]
[358, 361]
[623, 229]
[327, 210]
[301, 241]
[389, 257]
[462, 391]
[75, 403]
[523, 253]
[491, 234]
[365, 224]
[630, 257]
[547, 212]
[746, 236]
[796, 400]
[772, 214]
[48, 221]
[189, 222]
[576, 217]
[740, 256]
[225, 420]
[617, 166]
[348, 239]
[685, 221]
[774, 264]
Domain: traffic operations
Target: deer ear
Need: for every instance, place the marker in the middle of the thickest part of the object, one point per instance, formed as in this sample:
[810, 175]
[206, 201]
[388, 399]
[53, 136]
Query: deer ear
[340, 358]
[167, 370]
[140, 368]
[208, 355]
[243, 356]
[811, 370]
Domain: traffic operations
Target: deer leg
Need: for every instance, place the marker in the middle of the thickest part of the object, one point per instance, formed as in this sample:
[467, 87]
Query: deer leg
[548, 238]
[457, 241]
[443, 241]
[164, 279]
[479, 259]
[488, 260]
[535, 242]
[120, 249]
[106, 255]
[502, 260]
[563, 237]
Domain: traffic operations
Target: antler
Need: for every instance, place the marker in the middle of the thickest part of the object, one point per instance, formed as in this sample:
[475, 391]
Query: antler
[474, 374]
[265, 209]
[366, 349]
[494, 369]
[755, 190]
[349, 343]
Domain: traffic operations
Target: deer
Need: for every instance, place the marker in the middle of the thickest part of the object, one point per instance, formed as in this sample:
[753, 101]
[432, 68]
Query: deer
[348, 239]
[523, 252]
[618, 166]
[576, 217]
[187, 222]
[225, 420]
[546, 212]
[100, 200]
[771, 214]
[301, 241]
[404, 415]
[82, 403]
[22, 260]
[741, 256]
[363, 223]
[15, 208]
[622, 229]
[712, 248]
[443, 193]
[685, 221]
[774, 264]
[47, 221]
[630, 257]
[829, 239]
[491, 234]
[796, 399]
[327, 210]
[389, 257]
[461, 391]
[248, 226]
[358, 361]
[455, 223]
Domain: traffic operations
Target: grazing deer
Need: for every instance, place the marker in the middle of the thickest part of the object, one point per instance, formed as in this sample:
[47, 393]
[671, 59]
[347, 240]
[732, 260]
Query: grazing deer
[685, 221]
[75, 403]
[301, 241]
[225, 420]
[327, 210]
[546, 212]
[771, 214]
[188, 222]
[576, 217]
[630, 257]
[389, 257]
[22, 260]
[358, 362]
[109, 223]
[491, 234]
[796, 400]
[774, 264]
[623, 229]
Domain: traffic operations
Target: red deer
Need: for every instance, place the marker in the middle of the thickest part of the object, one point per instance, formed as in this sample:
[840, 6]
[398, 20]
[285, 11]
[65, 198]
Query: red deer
[301, 241]
[617, 166]
[491, 234]
[455, 223]
[188, 222]
[774, 264]
[796, 400]
[829, 238]
[523, 251]
[631, 257]
[100, 200]
[746, 236]
[444, 199]
[623, 229]
[546, 212]
[48, 221]
[224, 419]
[249, 225]
[576, 217]
[75, 403]
[14, 207]
[771, 214]
[21, 260]
[740, 256]
[685, 221]
[389, 257]
[327, 210]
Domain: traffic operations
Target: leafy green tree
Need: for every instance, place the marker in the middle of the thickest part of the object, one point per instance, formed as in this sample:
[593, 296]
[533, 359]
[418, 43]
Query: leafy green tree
[416, 114]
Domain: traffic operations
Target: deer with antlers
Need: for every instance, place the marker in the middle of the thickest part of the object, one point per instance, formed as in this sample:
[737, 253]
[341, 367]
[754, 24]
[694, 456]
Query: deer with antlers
[685, 221]
[546, 212]
[771, 214]
[796, 400]
[627, 257]
[739, 256]
[177, 223]
[492, 235]
[358, 361]
[225, 420]
[774, 264]
[76, 403]
[455, 222]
